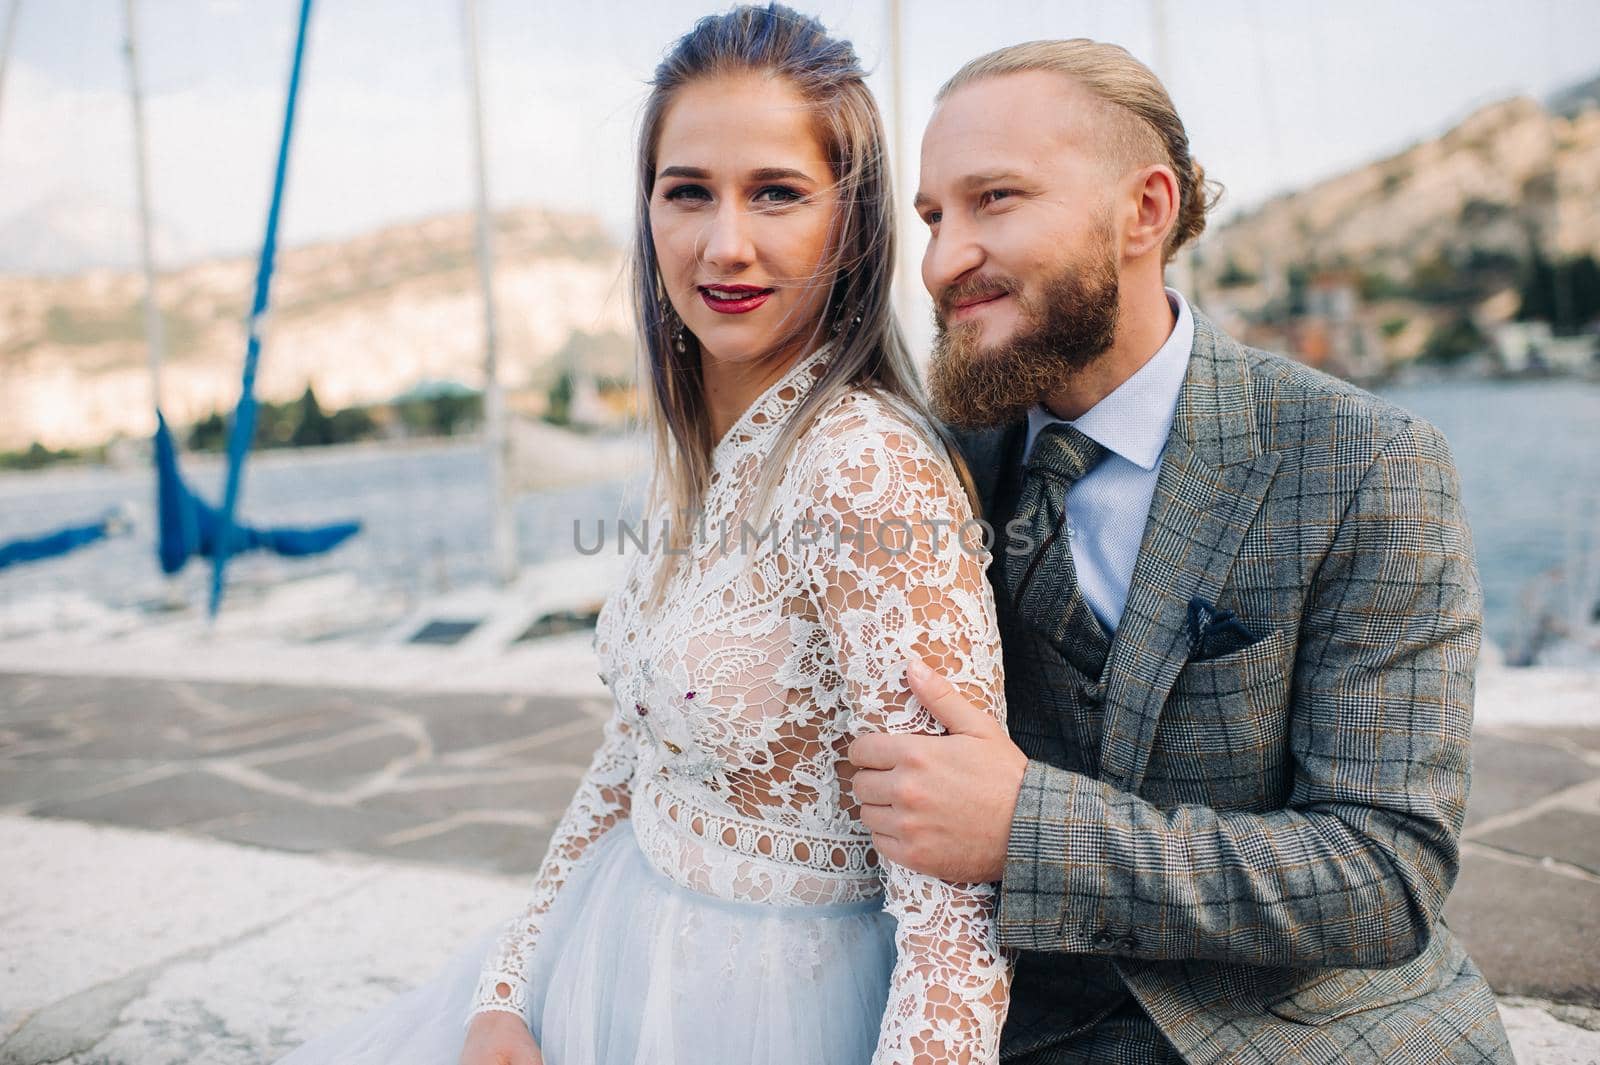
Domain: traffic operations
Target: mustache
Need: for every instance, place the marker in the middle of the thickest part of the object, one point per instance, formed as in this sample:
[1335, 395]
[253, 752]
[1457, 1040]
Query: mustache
[978, 287]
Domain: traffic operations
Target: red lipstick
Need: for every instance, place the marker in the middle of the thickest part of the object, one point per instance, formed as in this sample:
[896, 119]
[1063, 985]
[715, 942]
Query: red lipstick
[734, 299]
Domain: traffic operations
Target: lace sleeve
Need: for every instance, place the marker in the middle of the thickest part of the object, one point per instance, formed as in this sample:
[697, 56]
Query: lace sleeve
[603, 798]
[905, 576]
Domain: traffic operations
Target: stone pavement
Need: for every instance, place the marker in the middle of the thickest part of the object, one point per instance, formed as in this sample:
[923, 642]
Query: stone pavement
[181, 930]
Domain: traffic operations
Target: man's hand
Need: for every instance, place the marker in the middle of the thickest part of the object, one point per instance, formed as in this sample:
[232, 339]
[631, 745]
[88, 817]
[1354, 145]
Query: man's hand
[941, 805]
[496, 1037]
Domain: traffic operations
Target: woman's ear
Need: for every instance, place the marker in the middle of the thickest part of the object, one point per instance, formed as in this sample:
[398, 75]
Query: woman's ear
[1154, 196]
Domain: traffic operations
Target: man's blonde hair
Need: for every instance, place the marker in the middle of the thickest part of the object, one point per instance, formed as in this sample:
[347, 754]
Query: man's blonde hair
[1146, 127]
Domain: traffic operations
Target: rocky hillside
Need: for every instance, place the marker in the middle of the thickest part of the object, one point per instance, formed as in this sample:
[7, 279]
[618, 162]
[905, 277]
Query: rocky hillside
[360, 320]
[1512, 174]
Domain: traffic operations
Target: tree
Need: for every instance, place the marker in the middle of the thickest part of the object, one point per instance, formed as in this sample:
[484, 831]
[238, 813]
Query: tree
[1566, 294]
[1235, 276]
[312, 428]
[352, 423]
[209, 433]
[1454, 340]
[559, 410]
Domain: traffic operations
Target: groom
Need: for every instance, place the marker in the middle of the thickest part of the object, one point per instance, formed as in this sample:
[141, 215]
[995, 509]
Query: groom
[1240, 615]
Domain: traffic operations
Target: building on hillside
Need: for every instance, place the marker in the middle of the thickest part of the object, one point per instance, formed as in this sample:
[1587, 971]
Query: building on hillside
[1530, 347]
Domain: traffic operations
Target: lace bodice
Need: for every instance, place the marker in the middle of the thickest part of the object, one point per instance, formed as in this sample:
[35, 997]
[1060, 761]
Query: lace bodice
[779, 641]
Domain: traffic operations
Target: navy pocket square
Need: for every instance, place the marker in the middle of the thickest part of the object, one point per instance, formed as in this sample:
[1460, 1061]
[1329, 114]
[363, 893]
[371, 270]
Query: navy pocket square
[1214, 633]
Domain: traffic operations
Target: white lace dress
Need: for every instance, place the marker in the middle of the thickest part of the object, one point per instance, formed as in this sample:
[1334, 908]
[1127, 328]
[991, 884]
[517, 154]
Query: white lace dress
[710, 895]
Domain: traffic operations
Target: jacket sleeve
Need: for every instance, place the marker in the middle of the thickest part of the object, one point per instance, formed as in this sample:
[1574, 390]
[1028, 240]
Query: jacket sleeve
[1354, 870]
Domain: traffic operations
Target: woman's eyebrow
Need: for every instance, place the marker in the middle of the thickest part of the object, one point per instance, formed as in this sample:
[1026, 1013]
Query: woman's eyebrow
[768, 173]
[779, 173]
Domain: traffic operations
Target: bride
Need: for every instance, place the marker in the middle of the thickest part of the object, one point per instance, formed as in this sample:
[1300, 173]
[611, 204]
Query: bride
[710, 895]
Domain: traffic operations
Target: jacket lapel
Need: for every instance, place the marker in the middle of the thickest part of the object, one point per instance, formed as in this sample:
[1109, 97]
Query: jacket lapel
[1212, 481]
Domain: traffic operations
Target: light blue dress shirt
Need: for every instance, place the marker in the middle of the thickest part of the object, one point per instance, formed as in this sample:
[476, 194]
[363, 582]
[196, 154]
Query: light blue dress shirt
[1108, 506]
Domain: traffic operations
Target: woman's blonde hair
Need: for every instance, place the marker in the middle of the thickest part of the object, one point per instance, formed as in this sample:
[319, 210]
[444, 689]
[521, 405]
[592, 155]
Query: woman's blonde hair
[869, 350]
[1146, 127]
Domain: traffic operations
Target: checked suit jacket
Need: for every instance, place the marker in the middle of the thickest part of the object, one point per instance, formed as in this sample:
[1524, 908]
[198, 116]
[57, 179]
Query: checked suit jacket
[1256, 847]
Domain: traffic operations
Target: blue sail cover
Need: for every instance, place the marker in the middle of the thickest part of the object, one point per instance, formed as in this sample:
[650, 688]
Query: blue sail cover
[187, 525]
[244, 416]
[52, 544]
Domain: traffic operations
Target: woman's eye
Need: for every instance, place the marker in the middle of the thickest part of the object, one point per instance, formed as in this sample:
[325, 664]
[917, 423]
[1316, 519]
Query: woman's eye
[777, 194]
[932, 218]
[686, 192]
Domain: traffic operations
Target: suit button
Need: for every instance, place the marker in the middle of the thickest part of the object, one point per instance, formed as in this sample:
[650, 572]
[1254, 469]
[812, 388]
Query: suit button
[1103, 938]
[1128, 943]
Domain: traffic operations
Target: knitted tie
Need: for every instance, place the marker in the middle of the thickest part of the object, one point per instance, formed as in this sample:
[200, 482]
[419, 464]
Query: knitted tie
[1044, 588]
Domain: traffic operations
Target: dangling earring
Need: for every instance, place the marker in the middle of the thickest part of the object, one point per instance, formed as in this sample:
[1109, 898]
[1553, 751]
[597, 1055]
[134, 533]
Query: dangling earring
[846, 316]
[675, 330]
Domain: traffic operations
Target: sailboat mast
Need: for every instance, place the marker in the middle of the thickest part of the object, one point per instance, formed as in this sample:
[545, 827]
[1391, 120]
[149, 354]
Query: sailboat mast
[502, 533]
[1181, 271]
[6, 40]
[905, 280]
[155, 336]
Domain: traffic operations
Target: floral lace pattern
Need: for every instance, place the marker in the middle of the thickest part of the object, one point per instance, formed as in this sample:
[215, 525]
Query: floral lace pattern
[737, 700]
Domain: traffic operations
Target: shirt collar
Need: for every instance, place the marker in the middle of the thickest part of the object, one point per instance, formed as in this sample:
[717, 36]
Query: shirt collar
[1134, 420]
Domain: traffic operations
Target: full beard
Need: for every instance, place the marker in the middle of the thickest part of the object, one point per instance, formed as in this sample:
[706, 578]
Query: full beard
[1066, 329]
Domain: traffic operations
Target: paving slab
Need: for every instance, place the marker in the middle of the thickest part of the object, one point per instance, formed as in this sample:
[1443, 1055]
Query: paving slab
[573, 743]
[309, 829]
[1574, 738]
[338, 763]
[1533, 931]
[270, 729]
[469, 843]
[1508, 774]
[24, 787]
[454, 727]
[538, 790]
[1566, 835]
[470, 779]
[185, 797]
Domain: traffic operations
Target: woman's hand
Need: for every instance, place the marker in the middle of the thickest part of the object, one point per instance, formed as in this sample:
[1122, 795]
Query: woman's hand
[496, 1037]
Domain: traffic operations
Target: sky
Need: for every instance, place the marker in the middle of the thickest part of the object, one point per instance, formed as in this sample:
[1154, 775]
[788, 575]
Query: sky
[1275, 93]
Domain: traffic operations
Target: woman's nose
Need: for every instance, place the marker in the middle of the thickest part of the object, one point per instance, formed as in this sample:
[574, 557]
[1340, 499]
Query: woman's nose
[727, 245]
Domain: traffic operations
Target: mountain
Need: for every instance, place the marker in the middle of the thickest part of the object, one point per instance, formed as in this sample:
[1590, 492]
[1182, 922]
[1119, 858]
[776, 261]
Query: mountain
[360, 320]
[1575, 99]
[71, 230]
[1510, 176]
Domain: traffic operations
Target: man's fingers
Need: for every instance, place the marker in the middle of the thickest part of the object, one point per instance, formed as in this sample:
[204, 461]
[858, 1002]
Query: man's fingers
[871, 787]
[889, 847]
[876, 750]
[948, 706]
[881, 820]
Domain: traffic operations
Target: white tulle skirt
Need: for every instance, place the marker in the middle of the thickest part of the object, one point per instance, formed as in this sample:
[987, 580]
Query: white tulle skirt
[634, 969]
